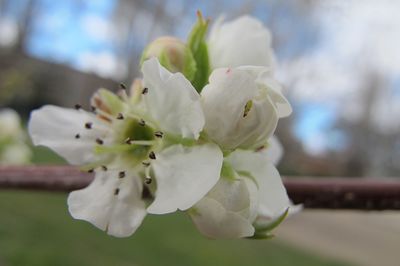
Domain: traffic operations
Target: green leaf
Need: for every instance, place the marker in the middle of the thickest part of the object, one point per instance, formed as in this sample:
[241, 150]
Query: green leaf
[264, 231]
[189, 66]
[227, 171]
[198, 46]
[270, 226]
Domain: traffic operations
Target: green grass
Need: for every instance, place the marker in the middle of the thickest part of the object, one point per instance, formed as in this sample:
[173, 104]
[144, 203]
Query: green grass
[36, 229]
[43, 155]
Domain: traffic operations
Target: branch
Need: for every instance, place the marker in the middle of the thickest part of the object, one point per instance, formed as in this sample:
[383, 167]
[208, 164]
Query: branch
[326, 193]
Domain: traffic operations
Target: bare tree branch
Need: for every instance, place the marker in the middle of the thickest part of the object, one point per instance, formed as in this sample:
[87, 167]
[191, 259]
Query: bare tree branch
[326, 193]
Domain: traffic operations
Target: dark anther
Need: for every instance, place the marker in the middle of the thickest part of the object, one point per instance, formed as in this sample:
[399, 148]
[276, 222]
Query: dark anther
[128, 141]
[116, 191]
[145, 90]
[120, 116]
[158, 134]
[260, 148]
[88, 125]
[146, 164]
[77, 136]
[121, 174]
[142, 122]
[147, 180]
[91, 170]
[152, 155]
[104, 168]
[146, 194]
[247, 108]
[122, 86]
[78, 106]
[99, 141]
[93, 108]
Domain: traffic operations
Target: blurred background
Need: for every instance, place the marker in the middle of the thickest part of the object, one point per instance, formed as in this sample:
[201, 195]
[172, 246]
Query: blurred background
[340, 65]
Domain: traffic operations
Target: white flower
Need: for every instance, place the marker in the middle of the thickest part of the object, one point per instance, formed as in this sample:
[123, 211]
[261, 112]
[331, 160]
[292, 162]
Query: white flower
[129, 142]
[10, 124]
[242, 106]
[16, 153]
[13, 149]
[243, 41]
[249, 196]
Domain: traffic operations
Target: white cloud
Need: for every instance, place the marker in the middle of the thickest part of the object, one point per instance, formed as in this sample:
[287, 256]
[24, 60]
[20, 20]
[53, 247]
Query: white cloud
[358, 38]
[97, 27]
[104, 64]
[367, 32]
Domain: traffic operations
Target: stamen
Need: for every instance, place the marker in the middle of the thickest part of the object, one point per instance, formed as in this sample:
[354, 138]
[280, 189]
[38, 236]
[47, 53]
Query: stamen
[120, 116]
[78, 106]
[88, 125]
[104, 115]
[121, 174]
[152, 155]
[99, 141]
[145, 91]
[147, 174]
[93, 109]
[128, 141]
[146, 194]
[146, 164]
[142, 142]
[91, 170]
[147, 180]
[158, 134]
[122, 92]
[247, 108]
[104, 168]
[77, 136]
[116, 191]
[259, 148]
[142, 122]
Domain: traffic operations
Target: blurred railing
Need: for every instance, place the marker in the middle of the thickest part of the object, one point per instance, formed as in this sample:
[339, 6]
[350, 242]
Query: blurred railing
[325, 193]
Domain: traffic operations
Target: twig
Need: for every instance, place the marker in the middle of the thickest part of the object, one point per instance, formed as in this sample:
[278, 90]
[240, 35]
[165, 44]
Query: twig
[326, 193]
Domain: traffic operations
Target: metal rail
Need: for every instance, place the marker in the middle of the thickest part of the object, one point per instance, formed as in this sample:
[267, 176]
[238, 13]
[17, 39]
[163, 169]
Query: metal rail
[325, 193]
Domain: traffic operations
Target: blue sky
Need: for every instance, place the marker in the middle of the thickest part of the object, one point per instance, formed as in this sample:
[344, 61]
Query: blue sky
[59, 34]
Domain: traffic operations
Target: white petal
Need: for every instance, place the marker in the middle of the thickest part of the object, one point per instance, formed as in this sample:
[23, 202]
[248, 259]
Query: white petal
[244, 41]
[233, 195]
[224, 100]
[184, 175]
[56, 127]
[264, 119]
[274, 151]
[253, 198]
[120, 215]
[265, 80]
[275, 93]
[172, 100]
[214, 221]
[273, 199]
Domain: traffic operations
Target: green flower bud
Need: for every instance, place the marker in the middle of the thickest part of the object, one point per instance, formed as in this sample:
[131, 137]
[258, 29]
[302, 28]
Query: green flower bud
[173, 54]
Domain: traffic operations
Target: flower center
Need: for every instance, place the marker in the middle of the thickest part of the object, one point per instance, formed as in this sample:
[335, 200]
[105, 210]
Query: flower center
[139, 136]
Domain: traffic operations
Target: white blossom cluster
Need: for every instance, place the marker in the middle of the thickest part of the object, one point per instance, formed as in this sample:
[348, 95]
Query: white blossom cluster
[194, 134]
[13, 149]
